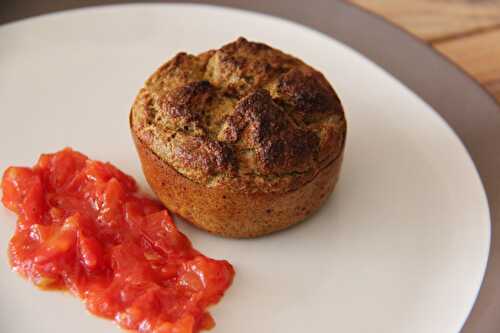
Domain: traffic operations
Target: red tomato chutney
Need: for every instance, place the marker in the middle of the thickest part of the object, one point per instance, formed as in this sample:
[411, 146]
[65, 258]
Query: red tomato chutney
[83, 227]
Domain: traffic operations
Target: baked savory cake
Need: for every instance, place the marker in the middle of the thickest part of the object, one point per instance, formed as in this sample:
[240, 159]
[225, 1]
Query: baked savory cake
[241, 141]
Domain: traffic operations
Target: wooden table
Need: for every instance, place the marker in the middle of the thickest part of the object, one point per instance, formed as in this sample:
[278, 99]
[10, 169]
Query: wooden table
[465, 31]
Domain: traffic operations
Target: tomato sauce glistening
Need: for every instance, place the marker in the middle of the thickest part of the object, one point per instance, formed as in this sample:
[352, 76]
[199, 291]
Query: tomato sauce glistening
[83, 227]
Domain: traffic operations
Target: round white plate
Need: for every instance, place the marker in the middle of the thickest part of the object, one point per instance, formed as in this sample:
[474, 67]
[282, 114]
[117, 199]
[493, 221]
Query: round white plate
[400, 247]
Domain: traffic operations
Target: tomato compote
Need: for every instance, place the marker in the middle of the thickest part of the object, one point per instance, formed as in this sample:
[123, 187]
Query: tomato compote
[83, 227]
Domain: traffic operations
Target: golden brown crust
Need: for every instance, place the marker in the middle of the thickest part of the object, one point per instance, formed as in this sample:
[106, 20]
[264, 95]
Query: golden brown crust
[241, 141]
[245, 117]
[230, 213]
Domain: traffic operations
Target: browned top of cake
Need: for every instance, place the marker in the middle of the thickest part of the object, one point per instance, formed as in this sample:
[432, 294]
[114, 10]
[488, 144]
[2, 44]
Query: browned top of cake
[245, 115]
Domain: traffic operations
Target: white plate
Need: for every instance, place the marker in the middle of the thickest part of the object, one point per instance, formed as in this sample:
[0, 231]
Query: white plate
[401, 246]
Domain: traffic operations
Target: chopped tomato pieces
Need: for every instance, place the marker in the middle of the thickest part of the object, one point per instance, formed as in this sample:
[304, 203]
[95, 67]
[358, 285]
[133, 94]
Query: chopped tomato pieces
[81, 226]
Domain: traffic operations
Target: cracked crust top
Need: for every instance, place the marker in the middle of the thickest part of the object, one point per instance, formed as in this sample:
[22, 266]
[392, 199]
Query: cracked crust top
[245, 116]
